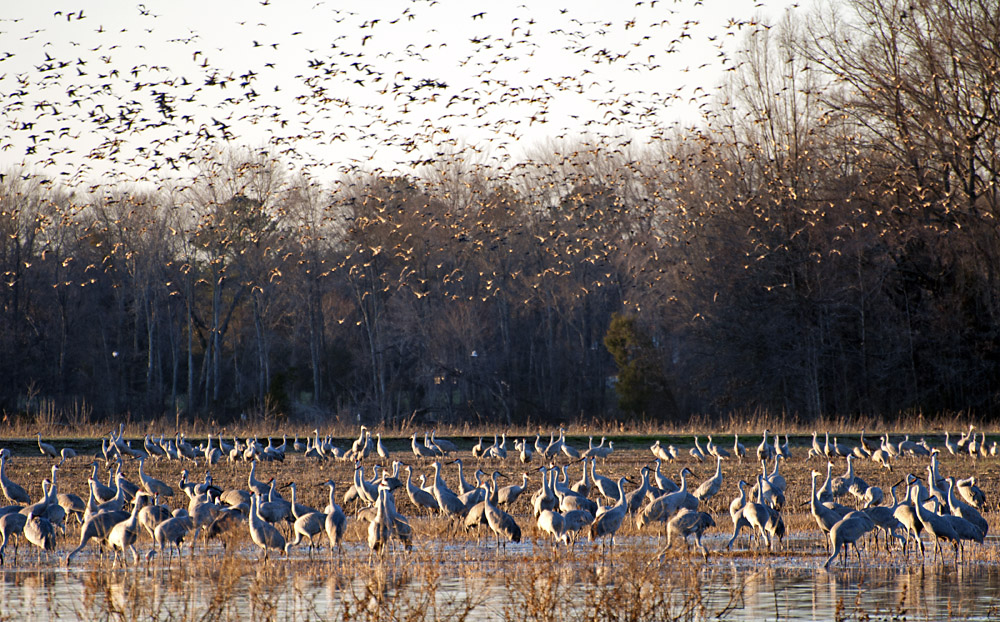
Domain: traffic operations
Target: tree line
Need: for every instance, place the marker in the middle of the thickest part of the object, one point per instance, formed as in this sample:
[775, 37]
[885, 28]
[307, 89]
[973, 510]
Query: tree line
[825, 243]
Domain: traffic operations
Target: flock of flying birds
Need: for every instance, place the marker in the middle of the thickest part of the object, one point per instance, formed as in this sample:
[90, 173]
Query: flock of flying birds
[130, 96]
[115, 515]
[94, 106]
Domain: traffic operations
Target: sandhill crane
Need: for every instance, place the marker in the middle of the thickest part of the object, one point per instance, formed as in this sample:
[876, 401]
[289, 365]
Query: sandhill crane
[838, 450]
[72, 503]
[846, 532]
[47, 506]
[969, 491]
[885, 519]
[502, 524]
[448, 502]
[761, 519]
[151, 515]
[764, 451]
[862, 451]
[336, 521]
[659, 452]
[957, 507]
[711, 486]
[634, 499]
[739, 449]
[380, 448]
[444, 444]
[583, 485]
[816, 449]
[419, 497]
[275, 509]
[366, 491]
[124, 534]
[234, 497]
[935, 525]
[607, 524]
[478, 449]
[429, 444]
[689, 522]
[569, 451]
[715, 450]
[173, 530]
[736, 505]
[770, 493]
[665, 484]
[212, 454]
[114, 505]
[572, 501]
[552, 523]
[783, 450]
[883, 458]
[574, 521]
[873, 495]
[13, 491]
[525, 452]
[11, 528]
[949, 444]
[906, 514]
[545, 498]
[508, 495]
[604, 485]
[498, 452]
[420, 451]
[379, 529]
[973, 446]
[263, 534]
[152, 485]
[66, 453]
[97, 527]
[663, 507]
[307, 525]
[553, 448]
[840, 485]
[187, 487]
[696, 452]
[824, 516]
[476, 516]
[45, 448]
[475, 495]
[777, 480]
[463, 486]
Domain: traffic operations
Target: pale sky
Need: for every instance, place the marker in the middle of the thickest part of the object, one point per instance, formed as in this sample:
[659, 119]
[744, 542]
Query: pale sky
[130, 88]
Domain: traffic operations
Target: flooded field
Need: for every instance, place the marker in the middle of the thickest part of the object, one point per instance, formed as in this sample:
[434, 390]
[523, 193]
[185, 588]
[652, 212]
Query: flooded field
[529, 585]
[454, 574]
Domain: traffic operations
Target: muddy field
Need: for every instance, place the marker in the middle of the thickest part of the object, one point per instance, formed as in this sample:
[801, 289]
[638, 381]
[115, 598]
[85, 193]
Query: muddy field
[454, 574]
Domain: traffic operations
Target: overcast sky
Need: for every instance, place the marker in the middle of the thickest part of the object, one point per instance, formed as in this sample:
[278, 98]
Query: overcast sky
[130, 87]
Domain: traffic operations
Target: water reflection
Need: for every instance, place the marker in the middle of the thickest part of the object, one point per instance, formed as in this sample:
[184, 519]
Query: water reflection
[731, 590]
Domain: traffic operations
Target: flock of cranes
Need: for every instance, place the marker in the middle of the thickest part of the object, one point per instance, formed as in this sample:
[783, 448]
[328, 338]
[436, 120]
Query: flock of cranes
[114, 516]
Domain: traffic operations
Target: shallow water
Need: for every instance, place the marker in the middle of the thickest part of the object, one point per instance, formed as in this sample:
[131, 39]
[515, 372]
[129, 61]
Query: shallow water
[730, 588]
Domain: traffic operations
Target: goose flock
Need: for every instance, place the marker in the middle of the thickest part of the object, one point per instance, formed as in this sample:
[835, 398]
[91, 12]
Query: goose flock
[119, 518]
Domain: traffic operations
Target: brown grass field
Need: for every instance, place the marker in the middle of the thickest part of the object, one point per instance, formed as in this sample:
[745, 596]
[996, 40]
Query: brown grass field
[451, 574]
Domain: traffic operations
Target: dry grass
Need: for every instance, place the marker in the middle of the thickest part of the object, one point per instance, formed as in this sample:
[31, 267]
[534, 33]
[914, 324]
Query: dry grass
[77, 422]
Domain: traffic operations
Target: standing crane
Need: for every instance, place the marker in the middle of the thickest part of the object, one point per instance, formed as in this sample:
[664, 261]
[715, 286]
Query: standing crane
[263, 534]
[606, 525]
[124, 534]
[13, 491]
[336, 520]
[45, 448]
[152, 485]
[501, 523]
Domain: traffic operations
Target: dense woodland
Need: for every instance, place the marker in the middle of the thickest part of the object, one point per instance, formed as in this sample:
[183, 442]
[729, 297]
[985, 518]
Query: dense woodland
[825, 243]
